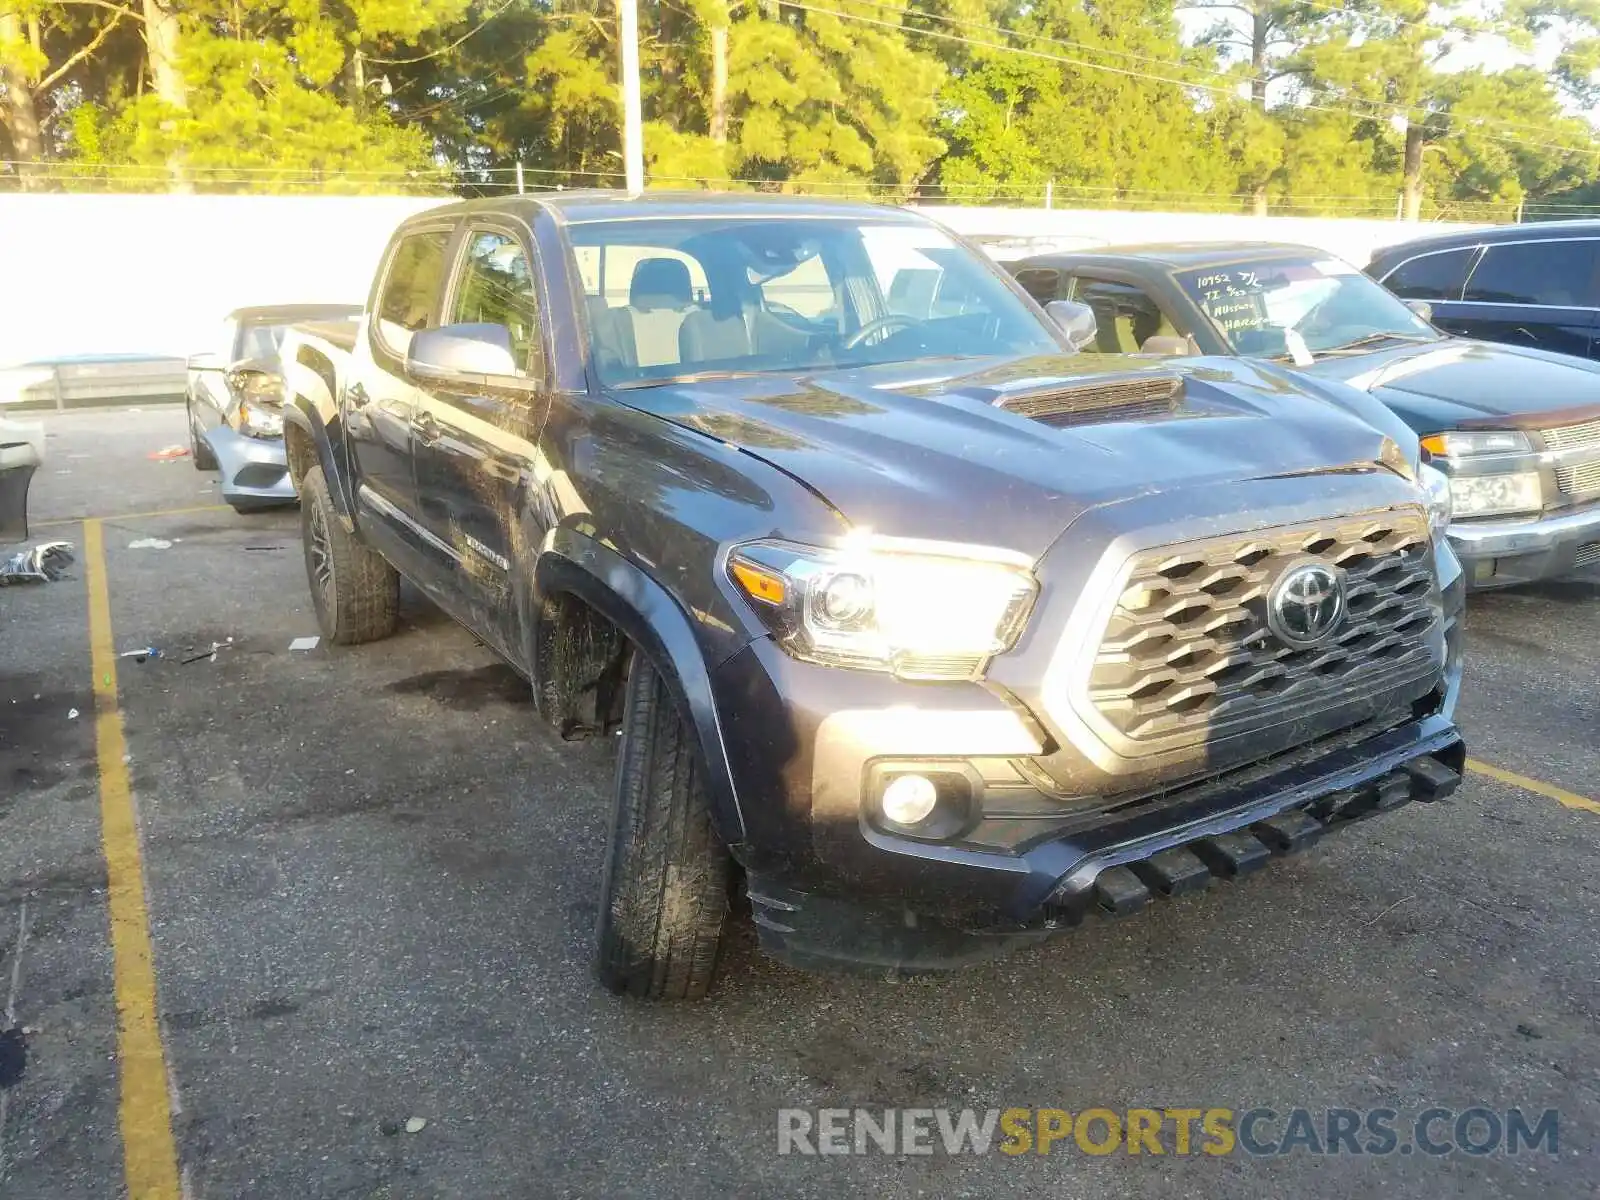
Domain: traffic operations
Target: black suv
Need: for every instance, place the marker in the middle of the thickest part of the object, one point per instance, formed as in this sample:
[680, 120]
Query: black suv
[924, 633]
[1531, 285]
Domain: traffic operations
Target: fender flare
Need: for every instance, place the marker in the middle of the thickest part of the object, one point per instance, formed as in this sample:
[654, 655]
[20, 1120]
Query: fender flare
[305, 413]
[656, 624]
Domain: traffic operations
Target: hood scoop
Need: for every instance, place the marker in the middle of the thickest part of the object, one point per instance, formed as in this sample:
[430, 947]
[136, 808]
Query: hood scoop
[1099, 401]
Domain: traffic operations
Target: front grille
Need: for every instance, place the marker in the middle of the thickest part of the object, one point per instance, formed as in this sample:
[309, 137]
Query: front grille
[1584, 478]
[1580, 480]
[1566, 437]
[1188, 656]
[1128, 398]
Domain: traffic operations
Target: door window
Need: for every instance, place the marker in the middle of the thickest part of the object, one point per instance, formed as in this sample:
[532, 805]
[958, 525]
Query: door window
[1125, 316]
[1555, 273]
[1432, 276]
[411, 287]
[495, 287]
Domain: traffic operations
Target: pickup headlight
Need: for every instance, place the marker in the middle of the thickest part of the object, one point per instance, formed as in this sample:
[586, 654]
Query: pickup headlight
[1466, 445]
[1436, 486]
[883, 605]
[1496, 495]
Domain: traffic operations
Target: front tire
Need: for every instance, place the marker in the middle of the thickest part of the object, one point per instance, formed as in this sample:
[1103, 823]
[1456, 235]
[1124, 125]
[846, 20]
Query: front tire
[356, 593]
[664, 891]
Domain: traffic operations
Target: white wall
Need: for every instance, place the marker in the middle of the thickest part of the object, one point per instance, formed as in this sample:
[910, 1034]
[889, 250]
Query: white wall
[86, 274]
[97, 274]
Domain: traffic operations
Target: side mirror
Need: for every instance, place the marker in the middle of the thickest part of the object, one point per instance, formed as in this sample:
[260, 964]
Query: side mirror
[1422, 308]
[1075, 320]
[206, 362]
[473, 355]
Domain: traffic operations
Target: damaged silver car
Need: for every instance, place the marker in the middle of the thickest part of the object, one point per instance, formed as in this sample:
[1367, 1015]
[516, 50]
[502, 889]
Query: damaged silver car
[235, 403]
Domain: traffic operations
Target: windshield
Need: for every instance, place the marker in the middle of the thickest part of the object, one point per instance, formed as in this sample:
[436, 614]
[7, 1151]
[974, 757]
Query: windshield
[728, 295]
[260, 342]
[1260, 307]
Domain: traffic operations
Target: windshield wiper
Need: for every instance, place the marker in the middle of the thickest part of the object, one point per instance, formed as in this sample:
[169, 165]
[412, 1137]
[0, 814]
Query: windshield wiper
[1371, 338]
[692, 377]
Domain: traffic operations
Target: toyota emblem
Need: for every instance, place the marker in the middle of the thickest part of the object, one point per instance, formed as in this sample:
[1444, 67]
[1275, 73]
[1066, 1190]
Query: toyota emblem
[1306, 604]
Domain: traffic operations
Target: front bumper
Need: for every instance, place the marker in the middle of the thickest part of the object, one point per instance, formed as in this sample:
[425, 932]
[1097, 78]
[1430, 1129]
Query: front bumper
[254, 470]
[1060, 883]
[1501, 553]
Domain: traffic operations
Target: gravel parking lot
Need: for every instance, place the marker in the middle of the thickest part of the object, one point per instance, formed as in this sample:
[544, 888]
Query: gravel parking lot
[370, 879]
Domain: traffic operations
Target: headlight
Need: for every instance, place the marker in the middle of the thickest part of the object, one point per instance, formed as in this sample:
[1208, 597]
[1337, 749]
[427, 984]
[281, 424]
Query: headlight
[883, 605]
[1465, 445]
[1491, 495]
[1436, 486]
[259, 421]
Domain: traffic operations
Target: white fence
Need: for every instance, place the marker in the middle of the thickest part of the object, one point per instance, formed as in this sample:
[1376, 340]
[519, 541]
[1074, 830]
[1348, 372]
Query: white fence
[154, 275]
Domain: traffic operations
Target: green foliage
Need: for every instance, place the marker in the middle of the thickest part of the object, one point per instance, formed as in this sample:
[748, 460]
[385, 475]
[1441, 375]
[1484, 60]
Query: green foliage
[1295, 105]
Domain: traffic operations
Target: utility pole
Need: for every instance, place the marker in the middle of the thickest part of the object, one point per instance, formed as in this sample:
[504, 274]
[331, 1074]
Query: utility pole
[632, 114]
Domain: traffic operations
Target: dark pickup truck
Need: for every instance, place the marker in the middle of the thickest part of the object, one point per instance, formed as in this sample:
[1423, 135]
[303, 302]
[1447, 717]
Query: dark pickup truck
[921, 631]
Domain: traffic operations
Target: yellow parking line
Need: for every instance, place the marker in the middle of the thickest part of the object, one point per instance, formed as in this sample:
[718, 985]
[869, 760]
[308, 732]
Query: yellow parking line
[149, 1152]
[1549, 790]
[133, 516]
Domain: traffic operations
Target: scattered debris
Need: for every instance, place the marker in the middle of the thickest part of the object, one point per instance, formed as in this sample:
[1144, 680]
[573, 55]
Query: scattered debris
[1531, 1032]
[150, 543]
[264, 547]
[72, 714]
[416, 1125]
[141, 655]
[168, 453]
[389, 1128]
[304, 643]
[45, 563]
[209, 655]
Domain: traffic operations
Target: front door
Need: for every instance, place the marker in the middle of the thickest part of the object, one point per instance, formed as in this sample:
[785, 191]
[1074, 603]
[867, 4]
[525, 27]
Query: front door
[476, 448]
[380, 402]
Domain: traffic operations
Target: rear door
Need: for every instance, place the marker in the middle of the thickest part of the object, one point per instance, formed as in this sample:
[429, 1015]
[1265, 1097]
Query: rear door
[476, 448]
[380, 402]
[1534, 293]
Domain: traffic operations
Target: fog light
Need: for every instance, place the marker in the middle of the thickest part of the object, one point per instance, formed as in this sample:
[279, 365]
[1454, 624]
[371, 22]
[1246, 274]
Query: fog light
[909, 799]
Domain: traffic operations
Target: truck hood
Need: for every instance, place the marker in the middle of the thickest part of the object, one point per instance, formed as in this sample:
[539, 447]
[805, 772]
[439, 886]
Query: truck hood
[923, 450]
[1443, 385]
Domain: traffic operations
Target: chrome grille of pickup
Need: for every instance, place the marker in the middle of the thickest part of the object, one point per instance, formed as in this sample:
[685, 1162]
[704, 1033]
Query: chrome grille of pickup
[1582, 479]
[1187, 654]
[1567, 436]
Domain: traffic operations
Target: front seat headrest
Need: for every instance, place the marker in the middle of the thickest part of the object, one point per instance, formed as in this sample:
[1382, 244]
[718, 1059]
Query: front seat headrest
[660, 283]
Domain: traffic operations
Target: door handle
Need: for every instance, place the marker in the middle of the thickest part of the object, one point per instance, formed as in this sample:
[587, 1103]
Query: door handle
[426, 429]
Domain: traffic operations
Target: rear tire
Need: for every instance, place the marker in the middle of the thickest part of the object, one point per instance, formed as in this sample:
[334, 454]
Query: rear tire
[199, 453]
[664, 891]
[356, 593]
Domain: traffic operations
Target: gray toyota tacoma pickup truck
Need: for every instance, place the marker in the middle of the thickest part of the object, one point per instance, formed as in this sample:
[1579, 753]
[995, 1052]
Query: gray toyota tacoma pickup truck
[923, 633]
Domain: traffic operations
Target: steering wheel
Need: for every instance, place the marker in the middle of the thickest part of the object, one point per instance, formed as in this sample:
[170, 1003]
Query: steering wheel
[878, 325]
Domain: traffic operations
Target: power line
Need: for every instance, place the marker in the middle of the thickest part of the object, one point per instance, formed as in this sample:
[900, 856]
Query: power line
[1134, 74]
[1161, 62]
